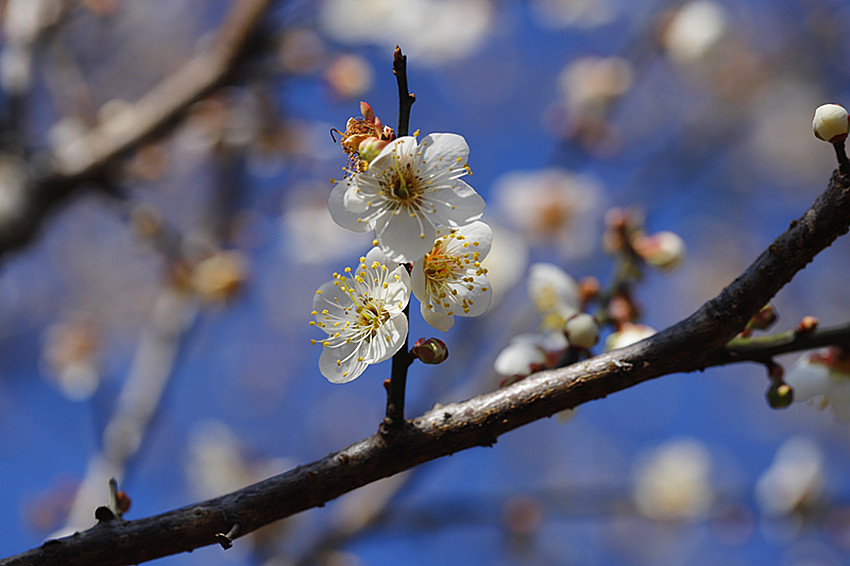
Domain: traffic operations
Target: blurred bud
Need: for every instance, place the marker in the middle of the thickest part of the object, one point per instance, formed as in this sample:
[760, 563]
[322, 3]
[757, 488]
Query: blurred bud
[664, 250]
[220, 276]
[831, 123]
[780, 395]
[582, 331]
[123, 500]
[764, 319]
[370, 148]
[588, 290]
[430, 351]
[808, 324]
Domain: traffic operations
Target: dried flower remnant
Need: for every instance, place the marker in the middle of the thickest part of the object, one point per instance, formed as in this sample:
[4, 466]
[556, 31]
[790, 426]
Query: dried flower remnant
[408, 190]
[363, 315]
[368, 129]
[450, 280]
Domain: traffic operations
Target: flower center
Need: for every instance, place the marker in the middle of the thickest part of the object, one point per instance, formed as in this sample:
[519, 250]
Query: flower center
[370, 316]
[439, 266]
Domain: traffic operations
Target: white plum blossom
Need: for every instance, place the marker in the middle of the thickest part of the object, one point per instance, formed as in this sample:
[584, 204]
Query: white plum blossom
[673, 484]
[794, 479]
[555, 294]
[450, 280]
[363, 315]
[407, 191]
[823, 377]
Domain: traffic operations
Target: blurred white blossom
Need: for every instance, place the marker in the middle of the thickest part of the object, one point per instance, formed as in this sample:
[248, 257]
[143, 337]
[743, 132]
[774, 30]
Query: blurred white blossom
[795, 478]
[673, 484]
[428, 30]
[823, 378]
[551, 206]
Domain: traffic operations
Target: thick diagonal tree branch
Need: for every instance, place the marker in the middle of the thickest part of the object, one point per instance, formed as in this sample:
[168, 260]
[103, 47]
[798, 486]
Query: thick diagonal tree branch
[693, 344]
[87, 159]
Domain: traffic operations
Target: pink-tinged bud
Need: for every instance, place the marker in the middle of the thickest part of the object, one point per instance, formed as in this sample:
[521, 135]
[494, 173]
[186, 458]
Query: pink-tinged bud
[664, 250]
[430, 351]
[370, 148]
[808, 324]
[366, 110]
[831, 123]
[582, 331]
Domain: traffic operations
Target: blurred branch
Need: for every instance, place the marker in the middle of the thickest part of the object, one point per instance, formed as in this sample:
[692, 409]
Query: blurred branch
[693, 344]
[90, 157]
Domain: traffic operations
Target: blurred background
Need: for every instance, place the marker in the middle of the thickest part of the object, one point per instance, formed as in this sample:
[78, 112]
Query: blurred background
[156, 329]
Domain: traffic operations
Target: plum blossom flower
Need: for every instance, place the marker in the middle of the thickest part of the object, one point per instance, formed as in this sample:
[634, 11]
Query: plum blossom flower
[555, 294]
[794, 480]
[673, 484]
[407, 191]
[823, 377]
[450, 280]
[363, 315]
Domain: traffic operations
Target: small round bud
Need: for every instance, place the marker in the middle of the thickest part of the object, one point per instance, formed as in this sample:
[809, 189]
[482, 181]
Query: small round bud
[808, 324]
[370, 148]
[664, 250]
[430, 350]
[831, 123]
[780, 395]
[764, 319]
[582, 331]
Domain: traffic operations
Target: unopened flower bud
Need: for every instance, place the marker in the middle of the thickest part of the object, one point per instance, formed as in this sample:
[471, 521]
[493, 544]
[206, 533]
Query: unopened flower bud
[780, 395]
[764, 319]
[370, 148]
[430, 350]
[808, 324]
[831, 123]
[582, 331]
[664, 250]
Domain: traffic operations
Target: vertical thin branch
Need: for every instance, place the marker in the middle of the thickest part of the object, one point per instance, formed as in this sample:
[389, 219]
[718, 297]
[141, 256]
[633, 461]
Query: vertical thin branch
[843, 162]
[401, 360]
[405, 97]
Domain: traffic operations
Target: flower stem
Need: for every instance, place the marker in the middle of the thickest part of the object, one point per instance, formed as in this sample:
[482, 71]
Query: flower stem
[401, 359]
[843, 162]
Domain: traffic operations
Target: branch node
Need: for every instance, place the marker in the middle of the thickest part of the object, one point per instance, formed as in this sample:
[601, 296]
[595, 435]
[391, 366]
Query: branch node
[226, 540]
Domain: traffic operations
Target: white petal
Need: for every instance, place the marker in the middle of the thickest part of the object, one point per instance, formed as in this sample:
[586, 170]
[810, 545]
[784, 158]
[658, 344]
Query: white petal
[417, 281]
[444, 150]
[330, 297]
[807, 379]
[353, 201]
[437, 318]
[340, 214]
[479, 232]
[405, 238]
[517, 359]
[349, 367]
[383, 349]
[397, 294]
[456, 204]
[839, 398]
[552, 289]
